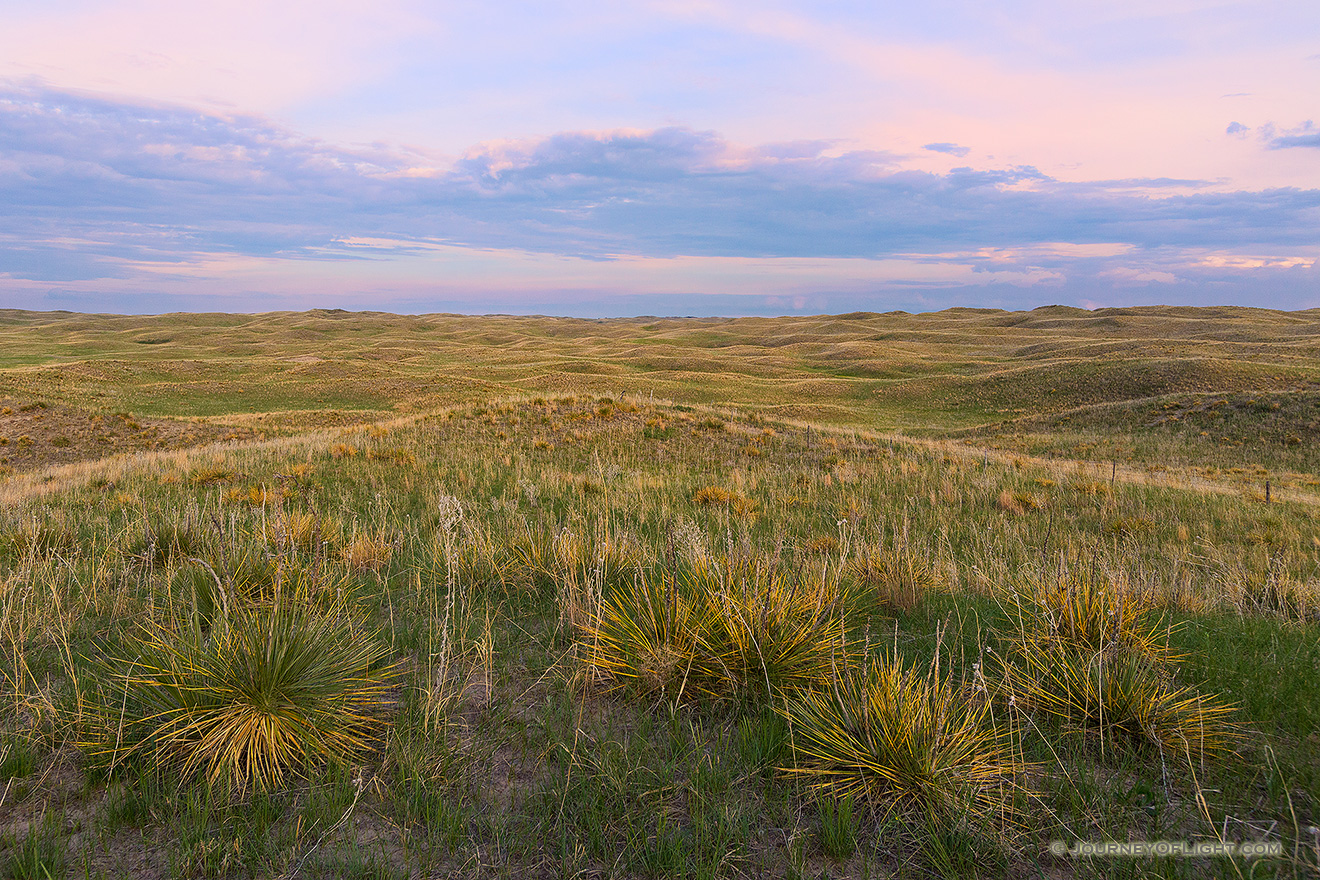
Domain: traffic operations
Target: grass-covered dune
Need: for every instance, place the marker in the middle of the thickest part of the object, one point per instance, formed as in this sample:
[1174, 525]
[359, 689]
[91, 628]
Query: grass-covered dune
[599, 635]
[959, 369]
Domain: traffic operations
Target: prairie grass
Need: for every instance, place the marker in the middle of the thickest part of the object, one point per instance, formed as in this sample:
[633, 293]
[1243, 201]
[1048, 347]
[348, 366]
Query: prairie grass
[41, 853]
[893, 580]
[545, 717]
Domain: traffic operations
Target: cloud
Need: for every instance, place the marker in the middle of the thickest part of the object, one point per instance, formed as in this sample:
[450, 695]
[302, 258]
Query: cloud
[951, 149]
[1236, 128]
[1127, 276]
[1304, 135]
[106, 192]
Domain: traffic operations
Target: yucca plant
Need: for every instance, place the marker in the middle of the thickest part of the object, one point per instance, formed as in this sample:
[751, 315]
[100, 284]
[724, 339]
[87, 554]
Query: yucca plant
[904, 742]
[275, 691]
[1094, 655]
[720, 630]
[1121, 697]
[1086, 613]
[768, 634]
[649, 636]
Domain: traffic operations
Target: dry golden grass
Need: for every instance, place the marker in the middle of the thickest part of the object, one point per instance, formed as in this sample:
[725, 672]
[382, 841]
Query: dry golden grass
[365, 552]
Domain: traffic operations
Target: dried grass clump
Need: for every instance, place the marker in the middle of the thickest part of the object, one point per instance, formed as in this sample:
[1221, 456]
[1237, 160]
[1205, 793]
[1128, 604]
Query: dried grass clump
[209, 476]
[1131, 526]
[1018, 503]
[710, 496]
[906, 743]
[825, 545]
[1278, 594]
[365, 552]
[1008, 502]
[296, 529]
[253, 496]
[394, 455]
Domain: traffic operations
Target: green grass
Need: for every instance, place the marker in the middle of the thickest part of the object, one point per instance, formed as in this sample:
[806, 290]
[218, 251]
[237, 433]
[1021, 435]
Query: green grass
[924, 373]
[1230, 435]
[479, 549]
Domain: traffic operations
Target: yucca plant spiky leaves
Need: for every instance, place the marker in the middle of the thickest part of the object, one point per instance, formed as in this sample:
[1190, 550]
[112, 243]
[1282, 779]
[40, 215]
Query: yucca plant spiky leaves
[766, 634]
[904, 742]
[1121, 697]
[648, 634]
[720, 631]
[279, 689]
[1087, 613]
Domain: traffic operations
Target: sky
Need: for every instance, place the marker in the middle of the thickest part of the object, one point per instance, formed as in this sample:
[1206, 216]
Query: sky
[676, 157]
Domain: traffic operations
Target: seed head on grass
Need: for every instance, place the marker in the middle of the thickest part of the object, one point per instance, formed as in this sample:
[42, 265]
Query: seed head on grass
[274, 692]
[904, 742]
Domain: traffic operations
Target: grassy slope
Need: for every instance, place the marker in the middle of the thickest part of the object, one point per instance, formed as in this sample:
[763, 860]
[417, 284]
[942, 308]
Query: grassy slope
[536, 771]
[530, 773]
[931, 372]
